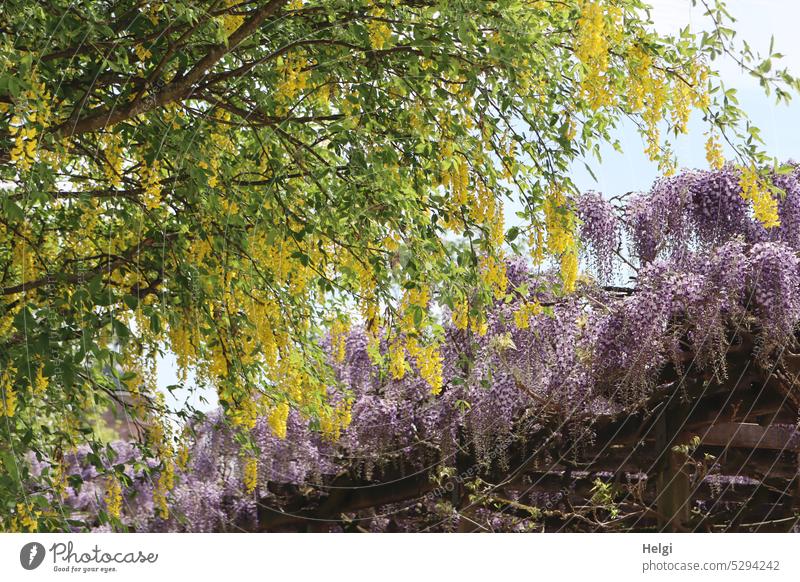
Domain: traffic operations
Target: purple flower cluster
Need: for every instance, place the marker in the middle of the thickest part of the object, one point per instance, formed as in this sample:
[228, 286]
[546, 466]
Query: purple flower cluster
[600, 231]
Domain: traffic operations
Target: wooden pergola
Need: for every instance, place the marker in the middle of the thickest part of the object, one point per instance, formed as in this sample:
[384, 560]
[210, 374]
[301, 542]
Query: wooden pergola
[704, 452]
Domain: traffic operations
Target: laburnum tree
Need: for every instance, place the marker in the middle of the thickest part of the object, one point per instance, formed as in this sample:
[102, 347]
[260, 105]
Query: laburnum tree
[232, 181]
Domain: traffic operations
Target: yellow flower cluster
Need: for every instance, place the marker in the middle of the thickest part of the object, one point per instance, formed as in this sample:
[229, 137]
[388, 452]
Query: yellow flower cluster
[183, 341]
[649, 91]
[397, 360]
[569, 270]
[40, 382]
[479, 325]
[765, 207]
[231, 22]
[142, 53]
[536, 243]
[559, 222]
[700, 96]
[297, 383]
[183, 452]
[160, 499]
[560, 225]
[164, 484]
[113, 498]
[277, 419]
[9, 404]
[523, 314]
[112, 169]
[654, 113]
[460, 315]
[151, 184]
[456, 179]
[243, 408]
[682, 96]
[493, 275]
[592, 45]
[23, 256]
[280, 260]
[418, 297]
[429, 362]
[714, 154]
[250, 474]
[339, 330]
[24, 151]
[379, 31]
[58, 480]
[640, 85]
[333, 421]
[483, 207]
[33, 109]
[26, 519]
[292, 79]
[463, 320]
[688, 93]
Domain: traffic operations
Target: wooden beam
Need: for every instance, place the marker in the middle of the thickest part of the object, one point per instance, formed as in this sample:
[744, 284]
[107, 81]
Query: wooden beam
[751, 436]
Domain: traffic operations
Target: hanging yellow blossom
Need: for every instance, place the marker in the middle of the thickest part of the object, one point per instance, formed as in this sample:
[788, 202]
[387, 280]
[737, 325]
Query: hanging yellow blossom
[26, 520]
[182, 455]
[765, 206]
[460, 315]
[293, 79]
[244, 412]
[160, 499]
[151, 184]
[569, 270]
[559, 222]
[493, 275]
[536, 243]
[334, 420]
[164, 484]
[9, 404]
[231, 21]
[714, 154]
[379, 31]
[681, 105]
[523, 314]
[58, 479]
[113, 498]
[25, 142]
[278, 418]
[40, 382]
[429, 362]
[250, 474]
[591, 49]
[397, 360]
[338, 333]
[142, 53]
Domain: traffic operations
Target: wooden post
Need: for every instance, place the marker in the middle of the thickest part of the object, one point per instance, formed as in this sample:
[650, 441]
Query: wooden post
[673, 493]
[672, 482]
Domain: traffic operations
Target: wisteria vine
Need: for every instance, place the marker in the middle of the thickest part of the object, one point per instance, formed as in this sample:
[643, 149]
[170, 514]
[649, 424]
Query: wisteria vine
[702, 266]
